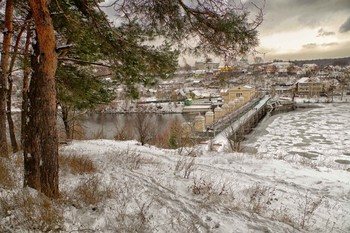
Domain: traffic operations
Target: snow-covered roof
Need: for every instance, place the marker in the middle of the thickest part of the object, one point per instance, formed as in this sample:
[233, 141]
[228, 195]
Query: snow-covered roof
[303, 80]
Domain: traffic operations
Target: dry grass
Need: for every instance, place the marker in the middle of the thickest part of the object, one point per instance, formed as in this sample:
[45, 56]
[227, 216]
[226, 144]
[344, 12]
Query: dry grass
[30, 210]
[90, 192]
[260, 198]
[137, 220]
[203, 186]
[6, 179]
[186, 166]
[129, 159]
[76, 164]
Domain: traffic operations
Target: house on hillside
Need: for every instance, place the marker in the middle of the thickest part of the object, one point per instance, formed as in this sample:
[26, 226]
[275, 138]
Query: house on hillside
[309, 86]
[282, 90]
[208, 66]
[247, 92]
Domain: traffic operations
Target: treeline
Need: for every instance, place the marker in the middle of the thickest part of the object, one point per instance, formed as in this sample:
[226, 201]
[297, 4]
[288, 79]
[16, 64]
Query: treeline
[325, 62]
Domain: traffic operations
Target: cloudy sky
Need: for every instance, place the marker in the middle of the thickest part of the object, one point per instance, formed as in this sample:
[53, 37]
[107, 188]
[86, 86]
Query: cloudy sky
[300, 29]
[305, 29]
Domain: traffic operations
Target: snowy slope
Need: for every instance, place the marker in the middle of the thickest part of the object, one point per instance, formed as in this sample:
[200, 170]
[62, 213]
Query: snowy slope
[275, 188]
[225, 192]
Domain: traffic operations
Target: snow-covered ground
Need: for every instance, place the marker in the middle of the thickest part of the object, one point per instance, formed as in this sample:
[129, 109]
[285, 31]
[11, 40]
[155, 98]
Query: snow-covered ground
[146, 189]
[219, 192]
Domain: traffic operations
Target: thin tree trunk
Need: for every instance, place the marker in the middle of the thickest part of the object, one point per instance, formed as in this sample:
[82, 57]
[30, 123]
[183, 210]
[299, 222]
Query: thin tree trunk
[73, 123]
[26, 74]
[65, 119]
[9, 94]
[10, 122]
[41, 140]
[5, 56]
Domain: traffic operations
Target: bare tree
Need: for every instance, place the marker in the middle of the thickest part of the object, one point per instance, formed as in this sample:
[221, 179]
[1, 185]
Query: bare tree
[145, 126]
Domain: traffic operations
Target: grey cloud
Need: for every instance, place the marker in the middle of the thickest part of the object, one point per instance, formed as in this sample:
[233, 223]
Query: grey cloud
[287, 15]
[314, 45]
[316, 52]
[310, 46]
[322, 33]
[329, 44]
[345, 27]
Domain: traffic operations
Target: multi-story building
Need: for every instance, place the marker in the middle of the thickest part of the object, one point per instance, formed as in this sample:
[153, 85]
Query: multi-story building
[309, 86]
[247, 92]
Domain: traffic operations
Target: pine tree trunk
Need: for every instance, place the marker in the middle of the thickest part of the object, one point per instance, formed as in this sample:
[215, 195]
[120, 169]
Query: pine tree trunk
[5, 56]
[41, 139]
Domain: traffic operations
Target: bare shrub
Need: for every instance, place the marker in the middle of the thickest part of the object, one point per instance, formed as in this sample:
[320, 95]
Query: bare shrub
[32, 211]
[281, 156]
[91, 192]
[145, 126]
[186, 166]
[209, 187]
[189, 151]
[174, 136]
[99, 134]
[308, 206]
[161, 140]
[283, 215]
[137, 220]
[6, 179]
[234, 139]
[183, 223]
[307, 162]
[75, 131]
[125, 133]
[129, 159]
[178, 136]
[260, 198]
[76, 164]
[133, 213]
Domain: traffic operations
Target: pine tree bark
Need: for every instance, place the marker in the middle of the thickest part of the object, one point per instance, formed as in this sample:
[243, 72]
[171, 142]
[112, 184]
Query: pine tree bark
[5, 56]
[41, 139]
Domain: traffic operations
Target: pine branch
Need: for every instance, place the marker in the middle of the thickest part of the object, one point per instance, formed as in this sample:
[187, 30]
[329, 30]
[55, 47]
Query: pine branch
[83, 62]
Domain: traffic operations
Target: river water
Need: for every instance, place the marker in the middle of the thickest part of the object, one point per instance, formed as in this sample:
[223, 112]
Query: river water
[321, 133]
[109, 124]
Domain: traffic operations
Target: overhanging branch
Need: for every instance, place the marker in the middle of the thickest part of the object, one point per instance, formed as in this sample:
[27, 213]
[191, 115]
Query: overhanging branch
[83, 62]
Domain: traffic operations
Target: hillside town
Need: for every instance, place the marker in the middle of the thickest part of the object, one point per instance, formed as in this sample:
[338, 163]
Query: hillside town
[209, 81]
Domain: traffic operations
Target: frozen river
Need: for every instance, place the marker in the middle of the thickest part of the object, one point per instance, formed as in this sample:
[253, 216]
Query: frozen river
[321, 134]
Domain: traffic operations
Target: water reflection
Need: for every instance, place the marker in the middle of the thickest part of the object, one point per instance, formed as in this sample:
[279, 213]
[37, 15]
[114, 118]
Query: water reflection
[111, 124]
